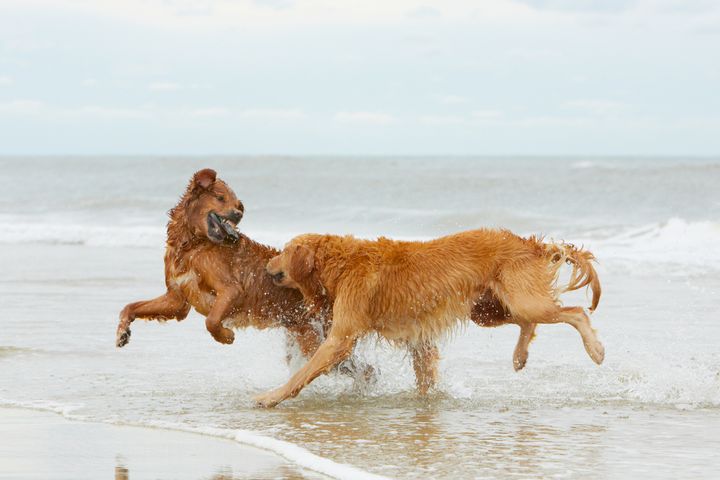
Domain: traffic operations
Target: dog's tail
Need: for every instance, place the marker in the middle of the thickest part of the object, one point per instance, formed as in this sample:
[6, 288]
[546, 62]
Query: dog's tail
[583, 271]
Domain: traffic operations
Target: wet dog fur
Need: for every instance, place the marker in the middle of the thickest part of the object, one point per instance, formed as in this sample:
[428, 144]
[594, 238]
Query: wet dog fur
[220, 272]
[412, 293]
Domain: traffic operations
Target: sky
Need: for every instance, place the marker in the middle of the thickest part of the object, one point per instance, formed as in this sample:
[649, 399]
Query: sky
[371, 77]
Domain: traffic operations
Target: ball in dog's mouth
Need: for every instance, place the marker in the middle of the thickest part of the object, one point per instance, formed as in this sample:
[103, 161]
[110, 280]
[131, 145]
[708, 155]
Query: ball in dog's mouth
[221, 230]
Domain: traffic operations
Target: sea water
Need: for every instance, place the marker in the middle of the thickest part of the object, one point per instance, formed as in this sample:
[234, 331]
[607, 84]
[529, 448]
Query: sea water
[80, 237]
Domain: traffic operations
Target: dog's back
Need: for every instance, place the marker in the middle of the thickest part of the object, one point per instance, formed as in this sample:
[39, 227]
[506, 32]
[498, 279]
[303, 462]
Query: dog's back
[417, 290]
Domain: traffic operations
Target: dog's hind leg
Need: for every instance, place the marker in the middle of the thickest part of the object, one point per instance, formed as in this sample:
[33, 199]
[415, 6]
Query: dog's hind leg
[488, 311]
[172, 305]
[577, 317]
[527, 296]
[520, 355]
[425, 358]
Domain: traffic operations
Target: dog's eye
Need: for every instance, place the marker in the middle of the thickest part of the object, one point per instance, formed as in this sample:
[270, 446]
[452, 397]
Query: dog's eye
[221, 198]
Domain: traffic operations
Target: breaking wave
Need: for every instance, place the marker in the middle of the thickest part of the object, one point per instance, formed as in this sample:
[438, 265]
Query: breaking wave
[675, 241]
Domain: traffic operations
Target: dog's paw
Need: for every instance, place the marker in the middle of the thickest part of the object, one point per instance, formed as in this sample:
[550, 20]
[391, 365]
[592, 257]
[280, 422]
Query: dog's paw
[122, 338]
[267, 399]
[519, 363]
[369, 374]
[357, 369]
[221, 334]
[596, 351]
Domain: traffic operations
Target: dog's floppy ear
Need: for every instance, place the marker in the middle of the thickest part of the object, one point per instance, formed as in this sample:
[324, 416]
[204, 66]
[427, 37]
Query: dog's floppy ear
[204, 178]
[302, 262]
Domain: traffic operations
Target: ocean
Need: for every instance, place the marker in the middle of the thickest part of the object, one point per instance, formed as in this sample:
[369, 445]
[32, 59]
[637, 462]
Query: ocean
[80, 237]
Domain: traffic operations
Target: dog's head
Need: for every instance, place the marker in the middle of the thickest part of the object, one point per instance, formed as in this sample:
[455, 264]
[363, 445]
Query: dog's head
[211, 209]
[296, 265]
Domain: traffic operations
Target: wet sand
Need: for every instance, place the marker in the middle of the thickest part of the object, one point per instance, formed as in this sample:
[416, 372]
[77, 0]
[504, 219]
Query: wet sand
[43, 445]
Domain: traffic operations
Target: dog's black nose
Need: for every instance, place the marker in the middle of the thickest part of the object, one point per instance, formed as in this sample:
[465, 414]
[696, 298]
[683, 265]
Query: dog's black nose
[235, 216]
[278, 277]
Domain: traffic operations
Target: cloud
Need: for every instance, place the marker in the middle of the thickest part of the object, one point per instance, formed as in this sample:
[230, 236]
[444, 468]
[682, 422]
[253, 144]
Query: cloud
[210, 112]
[452, 99]
[276, 4]
[685, 6]
[442, 119]
[605, 6]
[550, 121]
[535, 53]
[164, 86]
[37, 108]
[495, 118]
[423, 12]
[5, 81]
[596, 106]
[271, 113]
[709, 28]
[191, 7]
[97, 111]
[276, 14]
[22, 107]
[376, 118]
[486, 114]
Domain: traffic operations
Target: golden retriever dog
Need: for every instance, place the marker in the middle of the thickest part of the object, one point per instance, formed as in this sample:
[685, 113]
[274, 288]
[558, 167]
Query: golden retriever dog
[220, 272]
[412, 293]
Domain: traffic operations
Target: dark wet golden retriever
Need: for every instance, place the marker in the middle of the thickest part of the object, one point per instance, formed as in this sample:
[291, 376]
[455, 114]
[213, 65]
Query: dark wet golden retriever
[220, 272]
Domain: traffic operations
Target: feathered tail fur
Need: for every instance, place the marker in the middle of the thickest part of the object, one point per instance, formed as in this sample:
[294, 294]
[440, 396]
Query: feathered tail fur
[583, 272]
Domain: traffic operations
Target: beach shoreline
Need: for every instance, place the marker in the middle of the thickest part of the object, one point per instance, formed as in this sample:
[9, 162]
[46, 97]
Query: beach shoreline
[45, 445]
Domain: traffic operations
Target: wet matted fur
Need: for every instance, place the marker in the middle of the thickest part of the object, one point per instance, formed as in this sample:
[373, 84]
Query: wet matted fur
[220, 272]
[411, 293]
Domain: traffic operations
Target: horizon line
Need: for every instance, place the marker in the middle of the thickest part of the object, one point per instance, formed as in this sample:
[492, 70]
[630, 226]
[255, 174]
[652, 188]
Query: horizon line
[366, 155]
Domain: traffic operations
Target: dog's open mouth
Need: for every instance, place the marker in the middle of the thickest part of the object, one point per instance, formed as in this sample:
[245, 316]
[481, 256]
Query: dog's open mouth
[221, 229]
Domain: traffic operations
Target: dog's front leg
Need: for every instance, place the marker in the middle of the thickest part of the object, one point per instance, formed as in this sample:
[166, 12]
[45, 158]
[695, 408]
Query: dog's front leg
[221, 309]
[165, 307]
[425, 357]
[332, 351]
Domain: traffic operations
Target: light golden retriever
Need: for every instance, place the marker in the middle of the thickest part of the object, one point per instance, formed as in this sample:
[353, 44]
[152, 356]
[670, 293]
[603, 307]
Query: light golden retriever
[412, 293]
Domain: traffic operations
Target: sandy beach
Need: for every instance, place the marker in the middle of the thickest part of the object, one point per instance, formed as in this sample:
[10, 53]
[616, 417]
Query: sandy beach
[44, 445]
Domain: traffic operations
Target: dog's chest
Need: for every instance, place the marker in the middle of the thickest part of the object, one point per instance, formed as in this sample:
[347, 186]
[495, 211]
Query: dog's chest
[202, 300]
[188, 282]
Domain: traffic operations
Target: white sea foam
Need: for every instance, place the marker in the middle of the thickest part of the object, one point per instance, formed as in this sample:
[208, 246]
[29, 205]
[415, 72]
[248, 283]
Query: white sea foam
[82, 234]
[287, 450]
[675, 241]
[66, 411]
[584, 164]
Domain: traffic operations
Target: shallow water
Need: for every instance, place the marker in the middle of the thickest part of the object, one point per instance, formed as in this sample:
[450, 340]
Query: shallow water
[82, 237]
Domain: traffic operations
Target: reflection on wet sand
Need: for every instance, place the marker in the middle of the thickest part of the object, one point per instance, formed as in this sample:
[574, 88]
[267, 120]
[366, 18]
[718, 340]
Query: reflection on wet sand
[285, 472]
[121, 473]
[436, 435]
